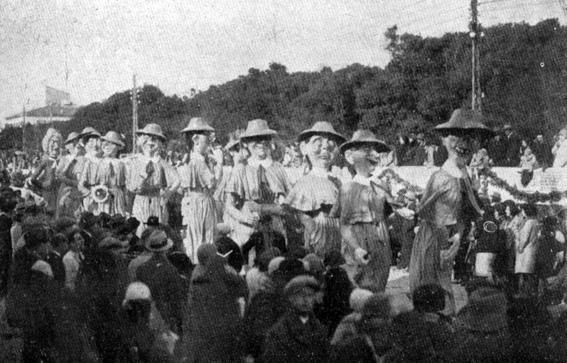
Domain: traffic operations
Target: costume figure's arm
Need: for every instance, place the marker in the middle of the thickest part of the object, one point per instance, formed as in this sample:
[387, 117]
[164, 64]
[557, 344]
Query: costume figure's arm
[83, 181]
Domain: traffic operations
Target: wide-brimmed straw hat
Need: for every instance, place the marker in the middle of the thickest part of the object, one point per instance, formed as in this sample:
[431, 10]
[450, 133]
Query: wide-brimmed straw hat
[485, 311]
[113, 137]
[365, 137]
[89, 131]
[465, 121]
[197, 124]
[257, 128]
[157, 241]
[152, 130]
[321, 128]
[73, 136]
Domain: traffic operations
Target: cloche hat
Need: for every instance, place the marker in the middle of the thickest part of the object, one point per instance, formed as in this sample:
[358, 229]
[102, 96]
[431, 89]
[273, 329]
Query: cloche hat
[321, 128]
[257, 128]
[361, 137]
[152, 130]
[197, 124]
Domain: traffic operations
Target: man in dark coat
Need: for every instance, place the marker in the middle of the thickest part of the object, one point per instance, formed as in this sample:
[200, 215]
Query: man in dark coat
[59, 246]
[298, 336]
[542, 151]
[513, 144]
[7, 204]
[163, 280]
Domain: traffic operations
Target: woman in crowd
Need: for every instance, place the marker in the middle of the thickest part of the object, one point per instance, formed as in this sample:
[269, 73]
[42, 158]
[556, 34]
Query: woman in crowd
[526, 252]
[213, 327]
[199, 179]
[316, 195]
[448, 205]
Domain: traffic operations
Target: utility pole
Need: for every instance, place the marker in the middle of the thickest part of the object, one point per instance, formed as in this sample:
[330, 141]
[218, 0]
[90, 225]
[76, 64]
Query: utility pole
[475, 34]
[134, 113]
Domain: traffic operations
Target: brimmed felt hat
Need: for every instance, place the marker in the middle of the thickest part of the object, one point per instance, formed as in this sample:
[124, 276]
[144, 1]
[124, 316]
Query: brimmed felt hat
[89, 131]
[152, 221]
[296, 284]
[321, 128]
[152, 130]
[257, 128]
[465, 120]
[485, 311]
[110, 243]
[42, 267]
[73, 136]
[157, 241]
[113, 137]
[365, 137]
[197, 124]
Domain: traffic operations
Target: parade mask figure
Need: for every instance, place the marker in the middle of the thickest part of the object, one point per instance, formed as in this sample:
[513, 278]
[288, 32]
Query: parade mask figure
[51, 143]
[258, 139]
[259, 147]
[461, 135]
[111, 144]
[320, 144]
[363, 152]
[460, 147]
[151, 145]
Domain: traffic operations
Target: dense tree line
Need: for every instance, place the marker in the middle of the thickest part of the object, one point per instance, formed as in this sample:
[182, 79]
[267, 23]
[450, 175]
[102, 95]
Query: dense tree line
[523, 77]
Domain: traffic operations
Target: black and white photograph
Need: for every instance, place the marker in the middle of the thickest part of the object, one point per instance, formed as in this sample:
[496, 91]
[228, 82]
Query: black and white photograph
[270, 181]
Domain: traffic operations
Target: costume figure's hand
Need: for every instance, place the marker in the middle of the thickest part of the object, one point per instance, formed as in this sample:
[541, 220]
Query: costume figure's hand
[150, 168]
[361, 255]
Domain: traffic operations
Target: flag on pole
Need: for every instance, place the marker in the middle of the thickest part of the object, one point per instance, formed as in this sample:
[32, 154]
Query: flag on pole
[54, 96]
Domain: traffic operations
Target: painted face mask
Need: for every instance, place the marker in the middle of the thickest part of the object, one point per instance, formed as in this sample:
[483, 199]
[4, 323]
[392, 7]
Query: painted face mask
[321, 151]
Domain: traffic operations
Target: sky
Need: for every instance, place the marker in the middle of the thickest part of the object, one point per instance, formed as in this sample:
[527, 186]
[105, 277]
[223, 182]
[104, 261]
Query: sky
[178, 45]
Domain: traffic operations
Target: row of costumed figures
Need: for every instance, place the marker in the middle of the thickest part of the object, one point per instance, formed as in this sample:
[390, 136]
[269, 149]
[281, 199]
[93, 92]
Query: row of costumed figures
[332, 215]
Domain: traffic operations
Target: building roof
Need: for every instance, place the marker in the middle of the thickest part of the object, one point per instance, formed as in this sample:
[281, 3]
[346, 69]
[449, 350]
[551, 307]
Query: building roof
[48, 111]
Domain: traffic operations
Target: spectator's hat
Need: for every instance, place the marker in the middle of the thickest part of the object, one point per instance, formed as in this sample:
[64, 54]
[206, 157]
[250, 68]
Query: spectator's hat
[465, 121]
[73, 136]
[152, 130]
[42, 267]
[158, 242]
[507, 127]
[114, 138]
[137, 291]
[197, 124]
[257, 128]
[112, 243]
[296, 284]
[152, 221]
[485, 311]
[365, 137]
[89, 131]
[358, 298]
[323, 128]
[274, 264]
